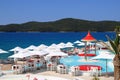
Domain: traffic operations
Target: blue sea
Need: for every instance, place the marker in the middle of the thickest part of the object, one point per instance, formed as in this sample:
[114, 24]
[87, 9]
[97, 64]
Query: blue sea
[9, 40]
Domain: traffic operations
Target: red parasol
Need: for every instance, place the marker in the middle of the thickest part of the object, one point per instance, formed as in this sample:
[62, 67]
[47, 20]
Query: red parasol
[88, 37]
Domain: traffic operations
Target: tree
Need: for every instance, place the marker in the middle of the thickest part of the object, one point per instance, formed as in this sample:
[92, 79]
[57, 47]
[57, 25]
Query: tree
[115, 48]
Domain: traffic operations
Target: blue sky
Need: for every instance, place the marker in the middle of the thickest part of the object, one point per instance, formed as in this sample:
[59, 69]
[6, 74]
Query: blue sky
[21, 11]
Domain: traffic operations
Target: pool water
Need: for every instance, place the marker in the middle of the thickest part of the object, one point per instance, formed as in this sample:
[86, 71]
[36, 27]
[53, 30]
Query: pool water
[75, 60]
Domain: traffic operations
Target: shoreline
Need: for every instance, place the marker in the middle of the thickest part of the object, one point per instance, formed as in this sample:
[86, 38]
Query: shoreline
[50, 32]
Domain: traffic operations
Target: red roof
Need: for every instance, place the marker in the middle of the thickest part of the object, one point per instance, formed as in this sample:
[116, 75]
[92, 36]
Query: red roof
[88, 37]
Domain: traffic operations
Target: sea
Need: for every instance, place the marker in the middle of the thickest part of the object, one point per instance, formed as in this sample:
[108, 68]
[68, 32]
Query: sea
[9, 40]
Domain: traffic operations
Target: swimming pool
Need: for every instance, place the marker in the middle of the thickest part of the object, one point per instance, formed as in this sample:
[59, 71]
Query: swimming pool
[75, 60]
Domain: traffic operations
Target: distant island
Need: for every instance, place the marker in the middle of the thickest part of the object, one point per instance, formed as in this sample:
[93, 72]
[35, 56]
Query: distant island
[62, 25]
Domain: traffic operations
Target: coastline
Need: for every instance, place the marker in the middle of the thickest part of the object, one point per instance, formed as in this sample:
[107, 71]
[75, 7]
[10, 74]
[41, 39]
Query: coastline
[50, 31]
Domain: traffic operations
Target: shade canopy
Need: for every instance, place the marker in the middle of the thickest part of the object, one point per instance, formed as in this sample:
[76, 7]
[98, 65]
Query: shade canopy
[68, 45]
[105, 56]
[3, 51]
[40, 53]
[20, 54]
[16, 49]
[61, 45]
[51, 53]
[41, 47]
[31, 47]
[88, 37]
[23, 54]
[77, 42]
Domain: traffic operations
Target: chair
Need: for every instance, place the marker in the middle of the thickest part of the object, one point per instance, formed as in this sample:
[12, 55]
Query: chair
[14, 68]
[17, 69]
[60, 69]
[74, 70]
[94, 71]
[48, 66]
[64, 69]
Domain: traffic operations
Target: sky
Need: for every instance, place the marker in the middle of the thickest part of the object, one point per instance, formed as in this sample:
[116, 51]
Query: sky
[21, 11]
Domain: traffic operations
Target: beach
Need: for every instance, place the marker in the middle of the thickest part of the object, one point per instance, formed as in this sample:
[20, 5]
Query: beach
[49, 75]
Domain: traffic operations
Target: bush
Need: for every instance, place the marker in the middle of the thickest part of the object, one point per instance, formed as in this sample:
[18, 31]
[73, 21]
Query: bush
[95, 78]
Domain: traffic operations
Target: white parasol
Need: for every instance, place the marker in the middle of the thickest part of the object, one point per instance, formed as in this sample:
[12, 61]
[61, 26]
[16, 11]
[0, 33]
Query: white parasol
[16, 49]
[104, 56]
[3, 51]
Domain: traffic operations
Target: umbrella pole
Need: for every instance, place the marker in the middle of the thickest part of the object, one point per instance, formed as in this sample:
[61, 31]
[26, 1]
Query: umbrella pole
[85, 51]
[95, 47]
[106, 69]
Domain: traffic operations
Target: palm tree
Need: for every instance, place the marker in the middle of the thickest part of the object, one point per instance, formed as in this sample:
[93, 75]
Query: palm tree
[117, 29]
[115, 48]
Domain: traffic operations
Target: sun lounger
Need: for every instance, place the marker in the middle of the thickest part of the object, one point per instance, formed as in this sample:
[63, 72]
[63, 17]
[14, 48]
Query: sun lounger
[62, 69]
[94, 71]
[74, 70]
[51, 66]
[17, 69]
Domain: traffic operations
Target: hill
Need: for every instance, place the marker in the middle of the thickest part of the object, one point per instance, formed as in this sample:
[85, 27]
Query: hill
[66, 24]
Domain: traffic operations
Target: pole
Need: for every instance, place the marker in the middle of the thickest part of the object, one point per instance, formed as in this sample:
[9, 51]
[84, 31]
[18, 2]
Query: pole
[95, 47]
[106, 69]
[86, 51]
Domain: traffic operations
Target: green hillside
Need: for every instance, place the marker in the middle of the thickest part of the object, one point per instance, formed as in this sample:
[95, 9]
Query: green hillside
[66, 24]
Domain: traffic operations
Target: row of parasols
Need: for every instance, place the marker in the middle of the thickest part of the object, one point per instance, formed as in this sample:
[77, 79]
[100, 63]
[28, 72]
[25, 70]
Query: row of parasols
[88, 38]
